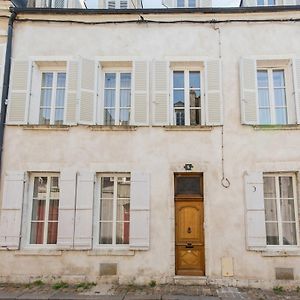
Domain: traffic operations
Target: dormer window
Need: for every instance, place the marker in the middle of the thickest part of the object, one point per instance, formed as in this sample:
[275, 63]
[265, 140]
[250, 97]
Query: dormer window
[186, 3]
[117, 4]
[266, 2]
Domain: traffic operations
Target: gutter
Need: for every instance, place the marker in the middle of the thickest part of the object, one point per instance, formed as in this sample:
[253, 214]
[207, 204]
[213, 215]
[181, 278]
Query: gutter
[6, 78]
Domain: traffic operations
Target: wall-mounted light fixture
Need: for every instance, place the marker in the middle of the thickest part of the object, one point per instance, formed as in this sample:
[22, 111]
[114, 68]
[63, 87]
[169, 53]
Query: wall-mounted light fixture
[188, 167]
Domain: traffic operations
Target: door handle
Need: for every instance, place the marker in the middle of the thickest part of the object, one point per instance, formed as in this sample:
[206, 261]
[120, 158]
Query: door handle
[189, 246]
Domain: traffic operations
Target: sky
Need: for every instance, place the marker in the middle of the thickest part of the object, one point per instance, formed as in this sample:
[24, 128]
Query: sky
[157, 3]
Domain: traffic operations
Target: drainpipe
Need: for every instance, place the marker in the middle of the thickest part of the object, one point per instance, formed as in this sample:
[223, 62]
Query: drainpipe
[6, 78]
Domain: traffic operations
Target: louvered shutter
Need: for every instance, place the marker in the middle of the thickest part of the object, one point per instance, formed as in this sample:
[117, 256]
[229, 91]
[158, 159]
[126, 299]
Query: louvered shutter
[139, 211]
[255, 211]
[205, 3]
[213, 103]
[70, 117]
[111, 4]
[2, 63]
[168, 3]
[249, 102]
[296, 75]
[84, 210]
[19, 92]
[161, 99]
[124, 4]
[141, 93]
[11, 212]
[87, 109]
[66, 216]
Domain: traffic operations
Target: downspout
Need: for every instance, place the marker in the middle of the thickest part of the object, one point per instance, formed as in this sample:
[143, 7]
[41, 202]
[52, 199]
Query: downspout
[6, 77]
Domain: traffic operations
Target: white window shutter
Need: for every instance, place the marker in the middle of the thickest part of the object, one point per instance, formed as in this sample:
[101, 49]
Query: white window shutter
[213, 93]
[249, 2]
[161, 94]
[2, 64]
[289, 2]
[255, 211]
[11, 212]
[123, 4]
[70, 117]
[87, 110]
[168, 3]
[66, 215]
[141, 93]
[19, 92]
[205, 3]
[84, 210]
[111, 4]
[248, 82]
[139, 211]
[296, 75]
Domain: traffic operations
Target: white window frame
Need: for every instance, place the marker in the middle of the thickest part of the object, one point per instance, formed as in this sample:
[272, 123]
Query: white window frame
[270, 71]
[97, 206]
[186, 107]
[278, 210]
[29, 211]
[117, 4]
[118, 72]
[55, 72]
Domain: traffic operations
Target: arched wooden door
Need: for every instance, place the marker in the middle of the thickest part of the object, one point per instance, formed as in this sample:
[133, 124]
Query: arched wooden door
[189, 220]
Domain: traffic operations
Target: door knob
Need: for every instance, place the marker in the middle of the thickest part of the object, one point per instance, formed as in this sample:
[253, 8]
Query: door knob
[189, 246]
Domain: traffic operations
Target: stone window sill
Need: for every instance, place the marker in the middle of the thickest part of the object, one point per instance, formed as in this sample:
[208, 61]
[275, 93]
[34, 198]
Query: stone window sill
[188, 128]
[38, 253]
[110, 252]
[280, 253]
[47, 127]
[112, 128]
[276, 127]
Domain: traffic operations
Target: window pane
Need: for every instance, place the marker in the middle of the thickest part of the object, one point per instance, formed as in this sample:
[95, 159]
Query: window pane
[279, 96]
[269, 187]
[125, 98]
[122, 233]
[195, 116]
[286, 187]
[264, 116]
[289, 234]
[194, 80]
[107, 187]
[109, 117]
[262, 78]
[46, 95]
[60, 97]
[61, 80]
[110, 80]
[38, 210]
[109, 98]
[260, 2]
[281, 116]
[180, 3]
[125, 80]
[123, 210]
[287, 210]
[179, 117]
[40, 187]
[59, 116]
[52, 233]
[47, 79]
[272, 234]
[271, 2]
[263, 97]
[278, 78]
[124, 116]
[178, 98]
[105, 236]
[192, 3]
[195, 98]
[270, 210]
[53, 210]
[123, 187]
[106, 210]
[188, 185]
[37, 233]
[178, 79]
[45, 116]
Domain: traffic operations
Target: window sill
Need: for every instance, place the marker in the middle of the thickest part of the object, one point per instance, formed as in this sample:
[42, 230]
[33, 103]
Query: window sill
[277, 127]
[280, 253]
[188, 128]
[47, 127]
[111, 252]
[45, 252]
[112, 128]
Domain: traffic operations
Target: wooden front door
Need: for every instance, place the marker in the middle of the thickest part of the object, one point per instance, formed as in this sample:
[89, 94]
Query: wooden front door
[189, 219]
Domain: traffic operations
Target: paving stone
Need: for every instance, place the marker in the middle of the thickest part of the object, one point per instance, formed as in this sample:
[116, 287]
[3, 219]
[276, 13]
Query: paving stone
[36, 296]
[9, 295]
[63, 296]
[183, 297]
[143, 297]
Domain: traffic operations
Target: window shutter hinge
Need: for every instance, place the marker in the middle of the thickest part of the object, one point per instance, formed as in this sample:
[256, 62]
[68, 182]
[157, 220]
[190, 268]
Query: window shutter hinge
[6, 101]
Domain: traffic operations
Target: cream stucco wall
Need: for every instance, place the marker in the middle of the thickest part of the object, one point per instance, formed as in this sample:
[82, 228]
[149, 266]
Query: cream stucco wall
[158, 151]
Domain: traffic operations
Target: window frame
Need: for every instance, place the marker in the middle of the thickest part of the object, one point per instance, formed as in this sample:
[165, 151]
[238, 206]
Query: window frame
[117, 4]
[97, 208]
[187, 108]
[117, 107]
[278, 210]
[186, 4]
[28, 218]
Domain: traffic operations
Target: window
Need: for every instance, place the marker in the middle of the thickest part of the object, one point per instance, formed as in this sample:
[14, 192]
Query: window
[281, 210]
[44, 209]
[121, 4]
[114, 209]
[266, 2]
[272, 96]
[187, 97]
[53, 89]
[117, 98]
[186, 3]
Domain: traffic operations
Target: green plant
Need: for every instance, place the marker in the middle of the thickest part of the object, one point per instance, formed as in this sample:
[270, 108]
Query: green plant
[298, 289]
[60, 285]
[152, 283]
[278, 289]
[38, 283]
[85, 285]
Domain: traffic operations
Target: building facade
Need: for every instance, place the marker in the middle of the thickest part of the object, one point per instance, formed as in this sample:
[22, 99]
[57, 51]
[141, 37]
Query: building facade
[153, 144]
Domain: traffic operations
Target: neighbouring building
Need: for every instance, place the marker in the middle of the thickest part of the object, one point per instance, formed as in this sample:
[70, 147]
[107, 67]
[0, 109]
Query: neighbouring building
[152, 144]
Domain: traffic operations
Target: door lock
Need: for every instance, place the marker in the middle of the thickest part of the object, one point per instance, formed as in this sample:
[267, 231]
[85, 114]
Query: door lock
[189, 230]
[189, 246]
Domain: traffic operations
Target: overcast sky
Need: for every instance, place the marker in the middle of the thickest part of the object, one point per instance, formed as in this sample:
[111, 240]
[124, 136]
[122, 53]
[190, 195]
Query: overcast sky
[157, 3]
